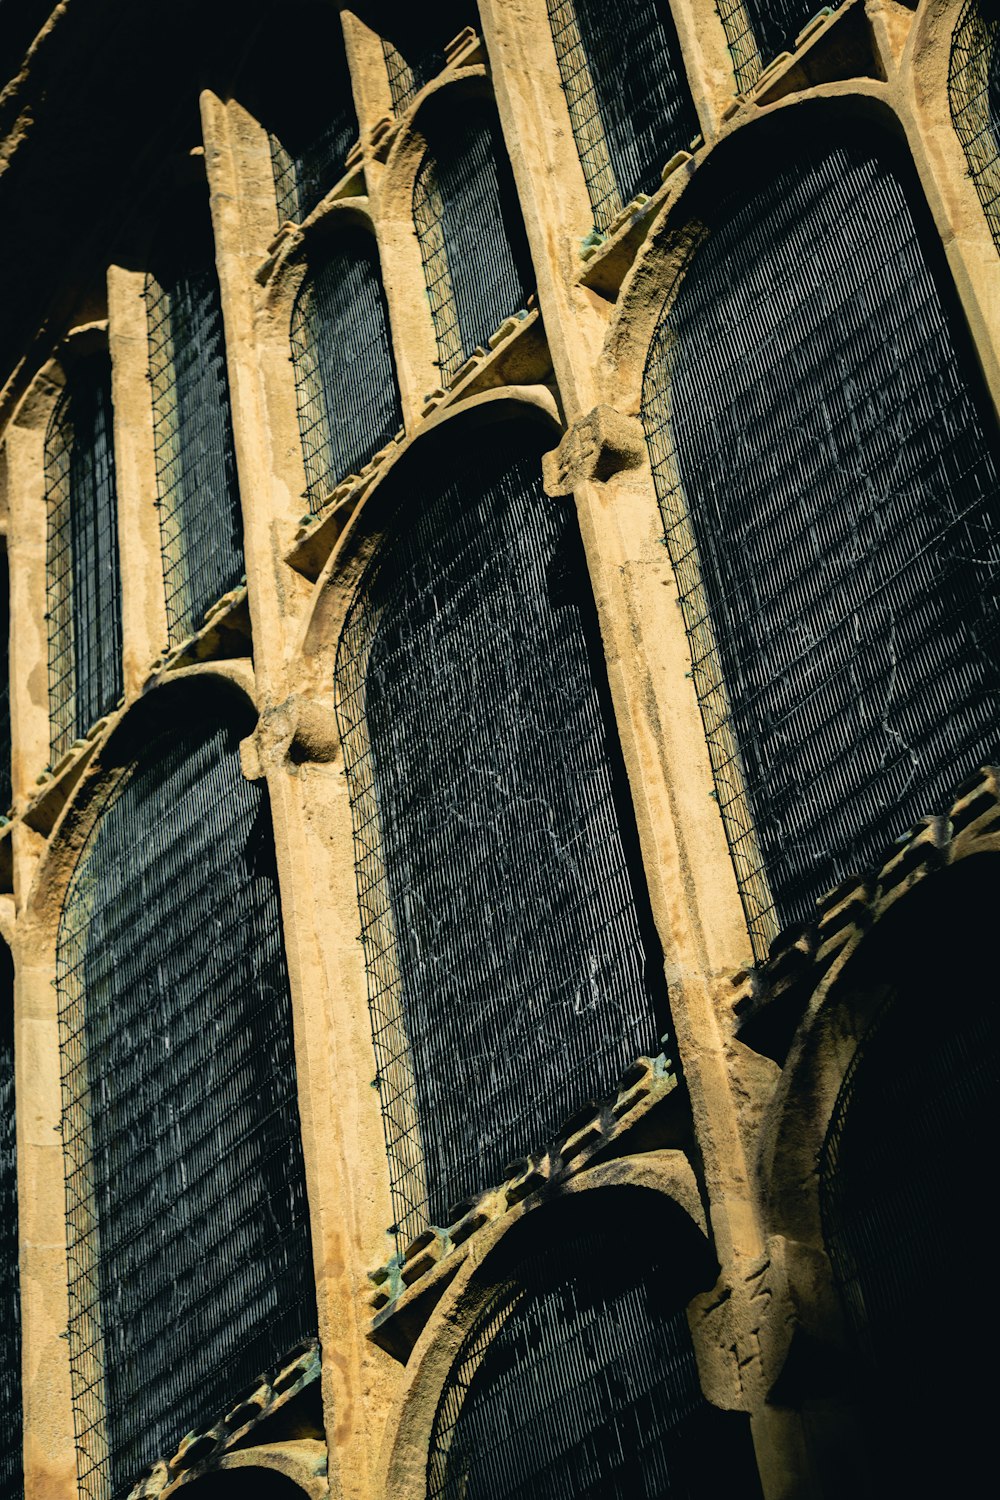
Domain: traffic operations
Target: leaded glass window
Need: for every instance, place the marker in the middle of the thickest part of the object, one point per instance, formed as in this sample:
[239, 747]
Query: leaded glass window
[188, 1234]
[83, 588]
[476, 259]
[512, 966]
[578, 1380]
[201, 527]
[827, 472]
[345, 376]
[628, 96]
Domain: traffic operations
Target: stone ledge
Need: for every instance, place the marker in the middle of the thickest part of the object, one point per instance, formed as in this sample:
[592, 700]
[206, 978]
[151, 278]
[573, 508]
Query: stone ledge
[771, 998]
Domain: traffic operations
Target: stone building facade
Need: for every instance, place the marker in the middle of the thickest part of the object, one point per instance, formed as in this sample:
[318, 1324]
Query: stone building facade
[501, 556]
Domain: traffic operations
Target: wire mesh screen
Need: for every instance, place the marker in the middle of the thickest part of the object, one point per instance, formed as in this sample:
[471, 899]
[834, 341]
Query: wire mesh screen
[6, 791]
[83, 589]
[513, 972]
[476, 260]
[414, 51]
[829, 490]
[201, 527]
[187, 1223]
[911, 1142]
[578, 1379]
[628, 96]
[11, 1478]
[345, 376]
[759, 30]
[974, 97]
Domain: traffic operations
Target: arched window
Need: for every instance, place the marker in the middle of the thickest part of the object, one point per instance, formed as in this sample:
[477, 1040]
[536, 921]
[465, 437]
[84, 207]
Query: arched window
[758, 31]
[345, 377]
[11, 1478]
[188, 1232]
[83, 589]
[828, 479]
[628, 96]
[974, 97]
[910, 1153]
[513, 970]
[297, 82]
[414, 44]
[6, 791]
[201, 527]
[475, 253]
[578, 1378]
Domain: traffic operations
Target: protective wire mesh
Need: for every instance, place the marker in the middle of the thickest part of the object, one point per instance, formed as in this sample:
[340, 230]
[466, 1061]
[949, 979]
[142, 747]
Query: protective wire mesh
[758, 30]
[477, 265]
[311, 108]
[912, 1140]
[201, 527]
[11, 1478]
[6, 791]
[414, 46]
[345, 376]
[829, 491]
[187, 1223]
[578, 1382]
[83, 589]
[974, 97]
[512, 966]
[628, 96]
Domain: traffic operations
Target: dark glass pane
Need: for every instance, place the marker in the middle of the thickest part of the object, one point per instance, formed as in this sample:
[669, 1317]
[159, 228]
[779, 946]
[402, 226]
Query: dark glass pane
[829, 485]
[513, 972]
[84, 590]
[578, 1382]
[476, 259]
[201, 527]
[344, 372]
[188, 1226]
[11, 1478]
[628, 95]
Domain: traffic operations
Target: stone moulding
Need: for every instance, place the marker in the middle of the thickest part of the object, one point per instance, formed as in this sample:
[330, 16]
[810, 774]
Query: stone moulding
[299, 1368]
[408, 1286]
[771, 999]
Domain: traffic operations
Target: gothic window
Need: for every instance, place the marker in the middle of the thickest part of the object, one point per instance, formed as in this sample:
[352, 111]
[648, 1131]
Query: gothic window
[414, 45]
[578, 1378]
[201, 528]
[513, 969]
[910, 1147]
[11, 1479]
[83, 587]
[628, 96]
[476, 260]
[827, 473]
[974, 97]
[758, 31]
[188, 1234]
[348, 397]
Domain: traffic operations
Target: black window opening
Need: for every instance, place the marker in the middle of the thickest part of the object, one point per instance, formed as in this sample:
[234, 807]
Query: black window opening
[477, 265]
[11, 1476]
[188, 1235]
[513, 970]
[578, 1379]
[83, 587]
[627, 91]
[6, 789]
[758, 31]
[201, 525]
[828, 479]
[414, 45]
[298, 83]
[345, 375]
[910, 1151]
[974, 99]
